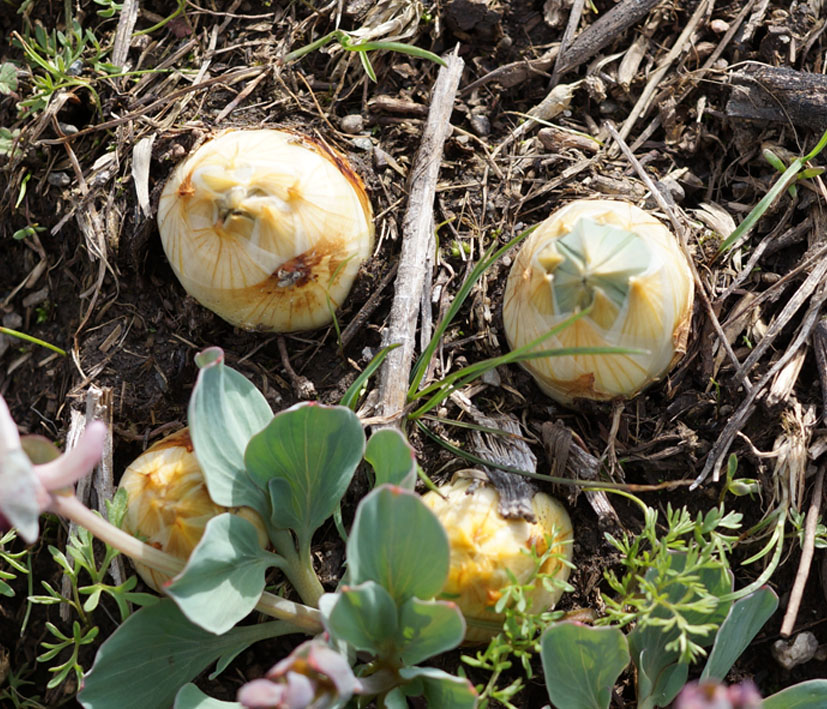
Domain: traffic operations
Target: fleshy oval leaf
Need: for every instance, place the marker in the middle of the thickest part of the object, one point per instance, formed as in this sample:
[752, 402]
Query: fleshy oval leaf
[225, 574]
[581, 664]
[311, 452]
[225, 410]
[391, 458]
[399, 543]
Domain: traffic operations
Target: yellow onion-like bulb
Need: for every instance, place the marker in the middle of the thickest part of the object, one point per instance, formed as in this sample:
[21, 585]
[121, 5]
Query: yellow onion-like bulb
[168, 505]
[266, 228]
[628, 268]
[485, 546]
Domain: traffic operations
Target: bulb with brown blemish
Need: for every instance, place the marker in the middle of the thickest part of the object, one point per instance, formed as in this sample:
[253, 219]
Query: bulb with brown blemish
[266, 228]
[168, 504]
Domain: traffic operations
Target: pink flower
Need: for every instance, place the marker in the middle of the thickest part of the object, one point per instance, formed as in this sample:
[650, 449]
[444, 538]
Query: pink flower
[711, 694]
[313, 676]
[26, 490]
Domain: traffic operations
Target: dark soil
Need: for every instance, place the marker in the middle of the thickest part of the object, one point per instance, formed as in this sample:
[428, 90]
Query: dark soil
[128, 326]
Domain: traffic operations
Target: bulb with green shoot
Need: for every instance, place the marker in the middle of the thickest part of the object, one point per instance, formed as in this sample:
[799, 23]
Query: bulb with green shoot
[628, 270]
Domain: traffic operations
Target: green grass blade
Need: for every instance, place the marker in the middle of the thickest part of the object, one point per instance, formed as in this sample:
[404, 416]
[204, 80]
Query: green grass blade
[351, 397]
[33, 340]
[490, 255]
[787, 178]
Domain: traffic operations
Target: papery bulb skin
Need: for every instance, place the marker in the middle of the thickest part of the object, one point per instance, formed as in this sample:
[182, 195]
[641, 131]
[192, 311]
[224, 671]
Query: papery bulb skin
[630, 269]
[484, 545]
[266, 228]
[168, 504]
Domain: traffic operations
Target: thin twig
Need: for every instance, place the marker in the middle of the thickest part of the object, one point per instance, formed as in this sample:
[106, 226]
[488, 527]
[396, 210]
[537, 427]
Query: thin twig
[417, 239]
[302, 386]
[806, 560]
[739, 418]
[654, 80]
[575, 14]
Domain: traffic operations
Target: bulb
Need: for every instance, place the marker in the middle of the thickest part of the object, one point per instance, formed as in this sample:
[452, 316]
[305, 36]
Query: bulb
[484, 545]
[624, 264]
[168, 505]
[266, 228]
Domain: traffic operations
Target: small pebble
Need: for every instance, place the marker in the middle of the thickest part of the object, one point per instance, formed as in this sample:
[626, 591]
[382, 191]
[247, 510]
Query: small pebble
[491, 377]
[36, 298]
[480, 124]
[363, 144]
[58, 179]
[380, 157]
[796, 652]
[13, 321]
[719, 26]
[352, 123]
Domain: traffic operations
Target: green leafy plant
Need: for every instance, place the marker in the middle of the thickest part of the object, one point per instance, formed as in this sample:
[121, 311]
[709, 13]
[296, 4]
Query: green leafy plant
[519, 639]
[108, 8]
[79, 563]
[582, 663]
[780, 166]
[293, 468]
[795, 171]
[797, 520]
[57, 59]
[12, 690]
[674, 581]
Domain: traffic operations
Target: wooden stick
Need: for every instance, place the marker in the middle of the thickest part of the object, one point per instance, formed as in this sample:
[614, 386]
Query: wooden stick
[601, 33]
[807, 548]
[417, 240]
[769, 93]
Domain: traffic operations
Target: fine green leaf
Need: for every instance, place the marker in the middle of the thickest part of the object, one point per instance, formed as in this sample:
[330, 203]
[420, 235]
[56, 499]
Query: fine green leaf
[439, 688]
[225, 410]
[225, 574]
[491, 254]
[660, 672]
[155, 652]
[805, 695]
[190, 697]
[399, 543]
[354, 391]
[581, 664]
[365, 617]
[745, 619]
[392, 459]
[306, 456]
[429, 628]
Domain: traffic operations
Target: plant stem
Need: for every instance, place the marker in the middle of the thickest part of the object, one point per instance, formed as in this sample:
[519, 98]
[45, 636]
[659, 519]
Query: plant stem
[308, 619]
[299, 567]
[34, 340]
